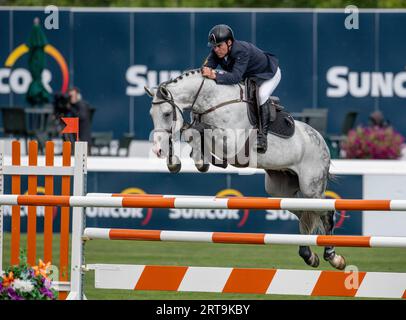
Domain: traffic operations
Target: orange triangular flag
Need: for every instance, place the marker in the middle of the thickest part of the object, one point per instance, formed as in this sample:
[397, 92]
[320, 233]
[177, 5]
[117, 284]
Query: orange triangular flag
[72, 126]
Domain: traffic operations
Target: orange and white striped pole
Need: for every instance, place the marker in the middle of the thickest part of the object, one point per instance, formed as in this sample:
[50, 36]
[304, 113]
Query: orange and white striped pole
[244, 238]
[196, 202]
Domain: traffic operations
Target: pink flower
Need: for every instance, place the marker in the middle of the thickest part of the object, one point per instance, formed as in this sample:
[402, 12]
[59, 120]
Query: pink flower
[373, 143]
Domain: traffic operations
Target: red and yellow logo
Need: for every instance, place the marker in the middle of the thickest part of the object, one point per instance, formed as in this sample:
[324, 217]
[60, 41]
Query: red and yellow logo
[149, 210]
[22, 49]
[235, 193]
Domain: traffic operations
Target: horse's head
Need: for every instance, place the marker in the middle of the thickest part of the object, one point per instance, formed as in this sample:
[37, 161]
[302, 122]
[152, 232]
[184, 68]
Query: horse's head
[167, 119]
[168, 102]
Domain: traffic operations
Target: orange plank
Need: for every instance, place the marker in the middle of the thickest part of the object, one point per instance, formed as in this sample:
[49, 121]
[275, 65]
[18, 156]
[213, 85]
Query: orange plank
[127, 234]
[230, 237]
[161, 278]
[344, 241]
[49, 190]
[249, 280]
[37, 200]
[333, 283]
[32, 210]
[148, 202]
[15, 210]
[65, 212]
[253, 203]
[380, 205]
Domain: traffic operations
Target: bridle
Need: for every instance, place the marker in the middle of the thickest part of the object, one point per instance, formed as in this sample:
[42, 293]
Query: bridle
[167, 97]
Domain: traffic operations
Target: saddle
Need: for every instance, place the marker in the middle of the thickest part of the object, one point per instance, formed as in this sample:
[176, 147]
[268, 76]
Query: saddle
[281, 122]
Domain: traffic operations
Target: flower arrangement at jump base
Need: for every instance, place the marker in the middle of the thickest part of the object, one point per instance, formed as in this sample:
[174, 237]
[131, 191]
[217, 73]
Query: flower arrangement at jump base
[373, 143]
[22, 282]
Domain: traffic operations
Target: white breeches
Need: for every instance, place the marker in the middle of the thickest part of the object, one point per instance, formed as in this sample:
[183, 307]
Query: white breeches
[266, 89]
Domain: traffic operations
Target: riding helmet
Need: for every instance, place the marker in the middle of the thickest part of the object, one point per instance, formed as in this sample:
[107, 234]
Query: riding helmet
[219, 34]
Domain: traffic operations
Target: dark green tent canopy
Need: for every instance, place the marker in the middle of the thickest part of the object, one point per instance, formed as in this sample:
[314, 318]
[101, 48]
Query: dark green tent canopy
[37, 94]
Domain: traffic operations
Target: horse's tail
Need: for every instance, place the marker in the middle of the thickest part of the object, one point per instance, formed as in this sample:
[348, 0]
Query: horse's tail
[332, 177]
[310, 223]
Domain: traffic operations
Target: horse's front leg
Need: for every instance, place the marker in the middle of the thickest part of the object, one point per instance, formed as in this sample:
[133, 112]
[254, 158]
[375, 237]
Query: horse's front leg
[172, 161]
[195, 141]
[163, 147]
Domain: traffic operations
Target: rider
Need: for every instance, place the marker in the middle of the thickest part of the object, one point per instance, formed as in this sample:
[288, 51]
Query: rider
[241, 60]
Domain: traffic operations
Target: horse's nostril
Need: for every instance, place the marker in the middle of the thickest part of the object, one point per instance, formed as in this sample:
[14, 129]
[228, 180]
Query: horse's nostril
[159, 153]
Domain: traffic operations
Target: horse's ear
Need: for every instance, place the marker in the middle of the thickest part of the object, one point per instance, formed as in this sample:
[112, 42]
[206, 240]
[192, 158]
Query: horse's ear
[149, 91]
[164, 92]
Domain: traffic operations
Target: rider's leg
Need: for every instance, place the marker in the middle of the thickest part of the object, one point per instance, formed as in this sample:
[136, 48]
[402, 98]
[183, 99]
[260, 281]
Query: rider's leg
[266, 88]
[264, 92]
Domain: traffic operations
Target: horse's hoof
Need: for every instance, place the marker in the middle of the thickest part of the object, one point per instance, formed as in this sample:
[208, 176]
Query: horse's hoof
[201, 166]
[314, 260]
[337, 262]
[173, 165]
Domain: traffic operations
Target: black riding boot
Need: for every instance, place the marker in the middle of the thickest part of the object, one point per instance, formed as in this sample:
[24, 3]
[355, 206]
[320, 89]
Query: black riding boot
[264, 114]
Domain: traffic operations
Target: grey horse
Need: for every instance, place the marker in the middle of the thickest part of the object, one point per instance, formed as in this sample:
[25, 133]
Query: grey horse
[294, 167]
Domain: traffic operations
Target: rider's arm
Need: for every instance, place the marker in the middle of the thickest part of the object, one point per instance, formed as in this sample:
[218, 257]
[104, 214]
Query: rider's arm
[239, 68]
[211, 61]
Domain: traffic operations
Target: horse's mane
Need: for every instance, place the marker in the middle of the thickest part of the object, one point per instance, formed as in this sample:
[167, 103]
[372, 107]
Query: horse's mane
[184, 74]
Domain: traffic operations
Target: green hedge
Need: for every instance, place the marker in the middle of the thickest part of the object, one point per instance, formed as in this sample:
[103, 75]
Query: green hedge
[215, 3]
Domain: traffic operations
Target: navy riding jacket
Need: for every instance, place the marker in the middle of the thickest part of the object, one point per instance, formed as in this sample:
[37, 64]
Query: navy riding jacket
[243, 61]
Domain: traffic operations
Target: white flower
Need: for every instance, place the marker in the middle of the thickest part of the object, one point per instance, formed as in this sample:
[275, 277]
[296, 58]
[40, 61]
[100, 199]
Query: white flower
[47, 283]
[22, 285]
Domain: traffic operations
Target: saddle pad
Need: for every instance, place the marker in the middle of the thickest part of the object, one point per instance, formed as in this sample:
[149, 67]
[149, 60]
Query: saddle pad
[283, 126]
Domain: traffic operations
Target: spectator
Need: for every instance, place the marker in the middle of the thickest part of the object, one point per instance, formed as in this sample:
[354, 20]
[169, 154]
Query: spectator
[81, 109]
[376, 118]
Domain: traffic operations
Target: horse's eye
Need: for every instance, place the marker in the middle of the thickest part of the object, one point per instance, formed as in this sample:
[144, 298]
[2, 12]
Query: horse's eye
[167, 114]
